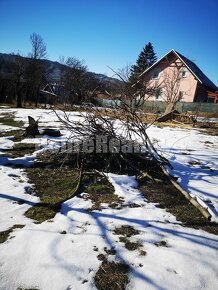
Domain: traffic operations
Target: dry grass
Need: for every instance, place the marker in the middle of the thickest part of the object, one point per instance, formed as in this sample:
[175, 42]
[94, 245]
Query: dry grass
[168, 197]
[112, 276]
[126, 232]
[52, 185]
[8, 119]
[20, 149]
[16, 135]
[100, 191]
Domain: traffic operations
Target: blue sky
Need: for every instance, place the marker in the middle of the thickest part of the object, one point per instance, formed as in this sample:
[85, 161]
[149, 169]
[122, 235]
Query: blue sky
[112, 33]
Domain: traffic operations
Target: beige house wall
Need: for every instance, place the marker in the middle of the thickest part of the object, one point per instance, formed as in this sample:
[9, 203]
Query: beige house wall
[169, 68]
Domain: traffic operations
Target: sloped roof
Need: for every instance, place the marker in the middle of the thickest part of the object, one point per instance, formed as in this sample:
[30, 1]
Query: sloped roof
[192, 67]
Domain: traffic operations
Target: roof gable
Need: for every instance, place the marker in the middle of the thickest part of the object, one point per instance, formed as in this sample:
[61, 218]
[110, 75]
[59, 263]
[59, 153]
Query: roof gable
[191, 66]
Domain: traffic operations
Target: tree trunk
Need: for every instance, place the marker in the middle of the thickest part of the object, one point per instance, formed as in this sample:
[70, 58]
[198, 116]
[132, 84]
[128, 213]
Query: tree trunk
[169, 108]
[19, 99]
[37, 97]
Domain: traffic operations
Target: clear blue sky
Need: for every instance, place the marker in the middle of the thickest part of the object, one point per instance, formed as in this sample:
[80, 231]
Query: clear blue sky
[113, 32]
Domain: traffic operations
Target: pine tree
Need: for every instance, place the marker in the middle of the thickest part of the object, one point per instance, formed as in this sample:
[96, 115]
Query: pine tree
[146, 58]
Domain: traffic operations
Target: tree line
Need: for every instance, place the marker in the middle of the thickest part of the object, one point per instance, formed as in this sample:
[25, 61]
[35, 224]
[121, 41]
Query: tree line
[22, 78]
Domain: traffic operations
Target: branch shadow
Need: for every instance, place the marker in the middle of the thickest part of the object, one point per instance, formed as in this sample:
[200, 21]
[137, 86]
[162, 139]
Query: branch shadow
[17, 199]
[97, 216]
[104, 232]
[189, 173]
[208, 242]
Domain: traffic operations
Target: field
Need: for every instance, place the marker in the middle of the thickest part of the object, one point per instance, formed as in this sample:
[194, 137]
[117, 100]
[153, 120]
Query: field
[119, 232]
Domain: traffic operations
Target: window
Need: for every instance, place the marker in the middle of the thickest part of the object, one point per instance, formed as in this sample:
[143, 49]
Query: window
[156, 74]
[183, 73]
[210, 100]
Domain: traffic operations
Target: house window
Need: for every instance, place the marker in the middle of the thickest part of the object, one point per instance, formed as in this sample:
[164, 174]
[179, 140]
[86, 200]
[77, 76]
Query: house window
[183, 73]
[210, 100]
[156, 74]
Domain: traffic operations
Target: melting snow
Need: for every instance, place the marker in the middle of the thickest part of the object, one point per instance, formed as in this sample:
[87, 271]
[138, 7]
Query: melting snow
[40, 255]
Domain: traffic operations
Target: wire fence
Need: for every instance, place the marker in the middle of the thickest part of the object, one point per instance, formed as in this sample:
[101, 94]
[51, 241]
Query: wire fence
[159, 107]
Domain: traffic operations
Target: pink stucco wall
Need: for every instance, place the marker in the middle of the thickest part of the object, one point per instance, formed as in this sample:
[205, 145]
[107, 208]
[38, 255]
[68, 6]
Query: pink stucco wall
[167, 68]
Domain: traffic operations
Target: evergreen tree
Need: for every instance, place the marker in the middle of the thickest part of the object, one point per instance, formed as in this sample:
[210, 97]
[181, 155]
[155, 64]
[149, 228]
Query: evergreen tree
[146, 58]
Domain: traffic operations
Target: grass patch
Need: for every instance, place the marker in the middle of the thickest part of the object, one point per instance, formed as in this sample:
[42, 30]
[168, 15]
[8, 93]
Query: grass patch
[101, 257]
[161, 244]
[210, 129]
[8, 119]
[5, 234]
[112, 276]
[193, 163]
[20, 149]
[41, 213]
[131, 246]
[16, 135]
[127, 231]
[101, 191]
[52, 185]
[142, 253]
[168, 197]
[111, 251]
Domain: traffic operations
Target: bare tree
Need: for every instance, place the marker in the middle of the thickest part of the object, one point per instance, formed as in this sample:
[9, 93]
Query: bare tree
[170, 87]
[36, 73]
[18, 66]
[75, 79]
[38, 46]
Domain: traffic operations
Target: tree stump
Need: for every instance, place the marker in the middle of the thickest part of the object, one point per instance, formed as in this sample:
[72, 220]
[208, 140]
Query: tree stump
[32, 130]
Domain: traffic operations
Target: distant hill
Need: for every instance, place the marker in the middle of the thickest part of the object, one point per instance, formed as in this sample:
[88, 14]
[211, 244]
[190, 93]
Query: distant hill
[55, 70]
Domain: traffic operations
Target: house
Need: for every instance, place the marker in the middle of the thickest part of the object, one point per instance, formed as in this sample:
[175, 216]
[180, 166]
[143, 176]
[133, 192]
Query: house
[105, 99]
[212, 97]
[176, 78]
[52, 93]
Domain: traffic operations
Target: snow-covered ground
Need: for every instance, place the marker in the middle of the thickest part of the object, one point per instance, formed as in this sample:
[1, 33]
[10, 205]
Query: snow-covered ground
[194, 157]
[41, 256]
